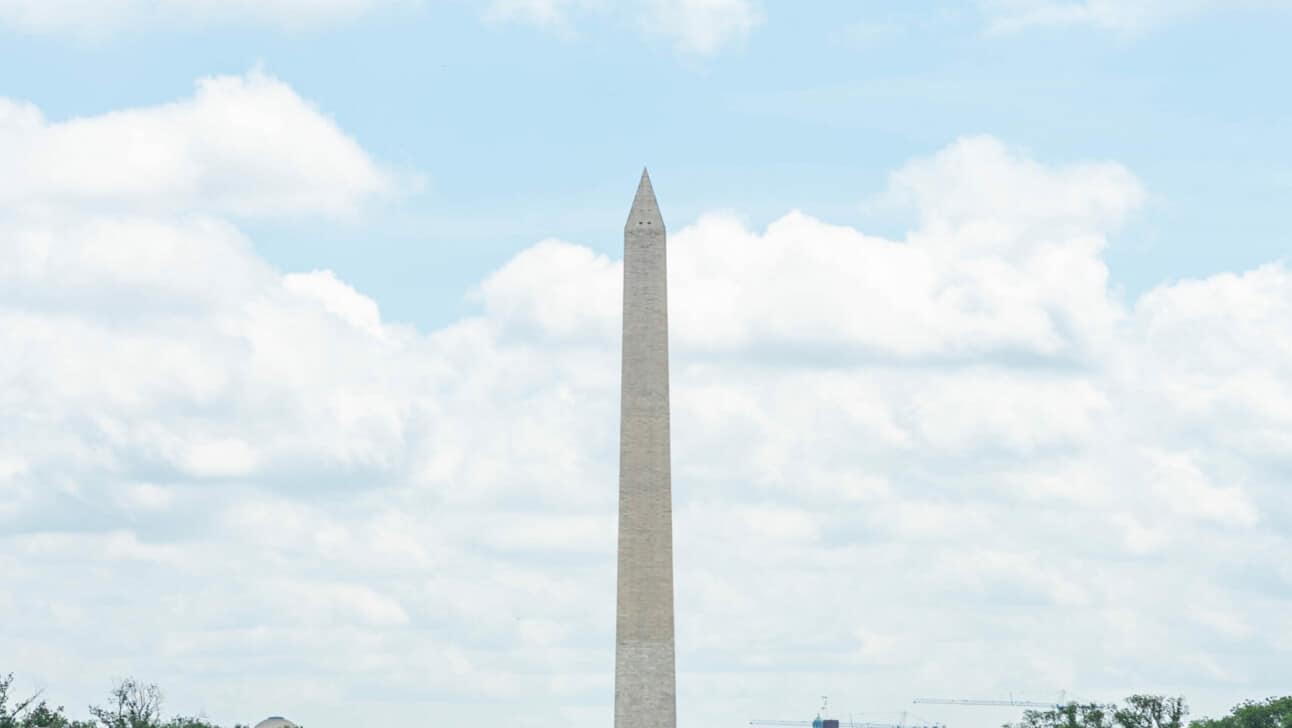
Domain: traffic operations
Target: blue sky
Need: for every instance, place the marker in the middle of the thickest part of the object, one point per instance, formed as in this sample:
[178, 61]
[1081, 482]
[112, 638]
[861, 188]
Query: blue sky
[980, 322]
[527, 132]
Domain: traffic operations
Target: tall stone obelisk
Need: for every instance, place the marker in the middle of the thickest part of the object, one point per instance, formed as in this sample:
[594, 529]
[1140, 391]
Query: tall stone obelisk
[645, 683]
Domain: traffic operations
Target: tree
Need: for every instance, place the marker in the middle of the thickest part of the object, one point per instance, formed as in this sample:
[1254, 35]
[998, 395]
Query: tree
[1071, 715]
[1152, 711]
[32, 714]
[1268, 713]
[134, 705]
[181, 721]
[1139, 711]
[9, 716]
[42, 716]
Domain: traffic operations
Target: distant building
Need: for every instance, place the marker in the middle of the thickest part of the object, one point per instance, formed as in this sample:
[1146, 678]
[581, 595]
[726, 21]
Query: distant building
[275, 721]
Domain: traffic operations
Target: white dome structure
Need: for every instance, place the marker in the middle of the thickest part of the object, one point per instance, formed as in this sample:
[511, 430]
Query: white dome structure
[275, 721]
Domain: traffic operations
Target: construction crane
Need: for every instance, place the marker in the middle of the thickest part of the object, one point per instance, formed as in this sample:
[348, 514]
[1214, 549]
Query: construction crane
[1011, 703]
[830, 723]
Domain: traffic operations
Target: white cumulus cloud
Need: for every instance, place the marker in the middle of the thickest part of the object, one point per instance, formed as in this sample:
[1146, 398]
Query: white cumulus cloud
[99, 17]
[1123, 16]
[701, 27]
[694, 26]
[247, 146]
[891, 456]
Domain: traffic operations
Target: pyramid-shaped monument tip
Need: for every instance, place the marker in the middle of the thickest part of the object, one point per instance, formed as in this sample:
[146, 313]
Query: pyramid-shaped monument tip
[645, 210]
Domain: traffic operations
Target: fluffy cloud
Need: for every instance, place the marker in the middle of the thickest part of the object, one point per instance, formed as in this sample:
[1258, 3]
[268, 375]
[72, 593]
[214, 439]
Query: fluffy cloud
[1114, 15]
[702, 26]
[94, 17]
[547, 13]
[247, 146]
[694, 26]
[954, 462]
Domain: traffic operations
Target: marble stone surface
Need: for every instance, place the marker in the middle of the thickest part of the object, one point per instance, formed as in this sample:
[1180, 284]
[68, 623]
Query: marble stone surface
[645, 680]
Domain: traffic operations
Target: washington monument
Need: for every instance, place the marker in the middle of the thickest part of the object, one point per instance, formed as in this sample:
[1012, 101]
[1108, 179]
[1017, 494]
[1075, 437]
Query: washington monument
[645, 684]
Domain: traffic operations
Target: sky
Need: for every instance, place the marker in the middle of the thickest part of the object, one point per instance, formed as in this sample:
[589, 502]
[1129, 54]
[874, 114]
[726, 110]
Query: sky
[981, 329]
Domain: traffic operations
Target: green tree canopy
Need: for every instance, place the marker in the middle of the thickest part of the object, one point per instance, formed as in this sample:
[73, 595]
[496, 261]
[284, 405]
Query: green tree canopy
[1152, 711]
[1071, 715]
[1139, 711]
[1268, 713]
[132, 704]
[31, 712]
